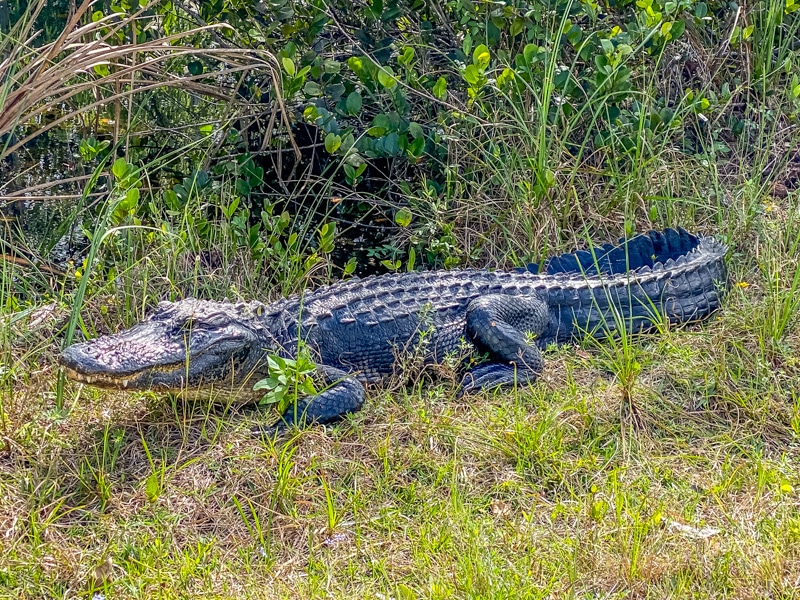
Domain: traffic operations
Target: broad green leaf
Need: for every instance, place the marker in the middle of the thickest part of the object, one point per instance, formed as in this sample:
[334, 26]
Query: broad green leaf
[354, 103]
[120, 168]
[481, 57]
[312, 88]
[356, 64]
[288, 66]
[403, 217]
[132, 198]
[529, 52]
[417, 147]
[471, 75]
[331, 67]
[415, 129]
[332, 143]
[386, 77]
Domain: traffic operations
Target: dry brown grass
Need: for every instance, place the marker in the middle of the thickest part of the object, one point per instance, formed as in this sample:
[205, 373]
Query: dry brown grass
[549, 492]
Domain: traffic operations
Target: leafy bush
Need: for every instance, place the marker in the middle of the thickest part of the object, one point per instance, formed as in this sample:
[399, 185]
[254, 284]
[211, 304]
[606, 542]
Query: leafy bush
[495, 118]
[413, 102]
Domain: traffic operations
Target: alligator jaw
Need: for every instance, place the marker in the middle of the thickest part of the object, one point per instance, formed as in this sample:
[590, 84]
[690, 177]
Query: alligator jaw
[127, 382]
[98, 380]
[138, 382]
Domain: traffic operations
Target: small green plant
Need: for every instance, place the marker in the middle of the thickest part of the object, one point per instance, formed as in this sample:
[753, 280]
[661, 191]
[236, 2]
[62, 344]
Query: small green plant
[333, 516]
[253, 523]
[155, 482]
[289, 380]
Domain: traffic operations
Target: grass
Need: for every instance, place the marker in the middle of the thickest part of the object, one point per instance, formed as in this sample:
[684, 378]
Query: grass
[658, 466]
[549, 491]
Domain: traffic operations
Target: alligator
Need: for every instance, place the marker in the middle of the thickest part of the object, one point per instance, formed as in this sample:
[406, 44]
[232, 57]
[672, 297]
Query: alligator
[357, 329]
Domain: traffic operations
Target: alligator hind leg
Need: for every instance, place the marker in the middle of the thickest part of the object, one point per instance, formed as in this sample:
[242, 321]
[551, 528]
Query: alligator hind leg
[343, 394]
[506, 328]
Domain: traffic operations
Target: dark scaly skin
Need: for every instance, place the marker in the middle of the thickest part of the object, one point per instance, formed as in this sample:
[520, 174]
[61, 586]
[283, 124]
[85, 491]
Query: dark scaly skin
[357, 329]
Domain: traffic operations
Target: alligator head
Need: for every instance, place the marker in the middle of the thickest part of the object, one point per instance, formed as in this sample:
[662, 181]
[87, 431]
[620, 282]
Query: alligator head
[187, 346]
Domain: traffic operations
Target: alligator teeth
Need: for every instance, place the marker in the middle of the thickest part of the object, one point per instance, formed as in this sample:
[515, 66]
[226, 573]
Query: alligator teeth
[125, 383]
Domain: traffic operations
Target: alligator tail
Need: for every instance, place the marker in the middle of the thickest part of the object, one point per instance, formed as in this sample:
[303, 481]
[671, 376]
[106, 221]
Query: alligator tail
[656, 277]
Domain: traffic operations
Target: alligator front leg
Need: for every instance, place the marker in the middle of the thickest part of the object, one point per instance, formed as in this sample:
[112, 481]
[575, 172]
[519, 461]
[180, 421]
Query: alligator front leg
[343, 394]
[505, 327]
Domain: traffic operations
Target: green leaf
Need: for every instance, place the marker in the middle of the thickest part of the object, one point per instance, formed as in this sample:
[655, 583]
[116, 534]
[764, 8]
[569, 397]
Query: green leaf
[405, 593]
[120, 169]
[415, 129]
[356, 64]
[386, 77]
[624, 49]
[608, 47]
[407, 56]
[440, 88]
[288, 66]
[242, 188]
[391, 144]
[530, 52]
[206, 129]
[132, 198]
[354, 102]
[195, 67]
[327, 237]
[403, 217]
[332, 143]
[350, 266]
[481, 57]
[331, 67]
[412, 258]
[574, 35]
[505, 78]
[380, 125]
[417, 147]
[312, 88]
[472, 75]
[152, 488]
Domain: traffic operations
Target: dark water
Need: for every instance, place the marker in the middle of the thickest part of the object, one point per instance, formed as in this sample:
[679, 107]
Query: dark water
[41, 185]
[39, 188]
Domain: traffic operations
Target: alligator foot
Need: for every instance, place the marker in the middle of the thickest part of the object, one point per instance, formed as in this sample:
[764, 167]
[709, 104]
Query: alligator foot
[505, 327]
[343, 394]
[492, 375]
